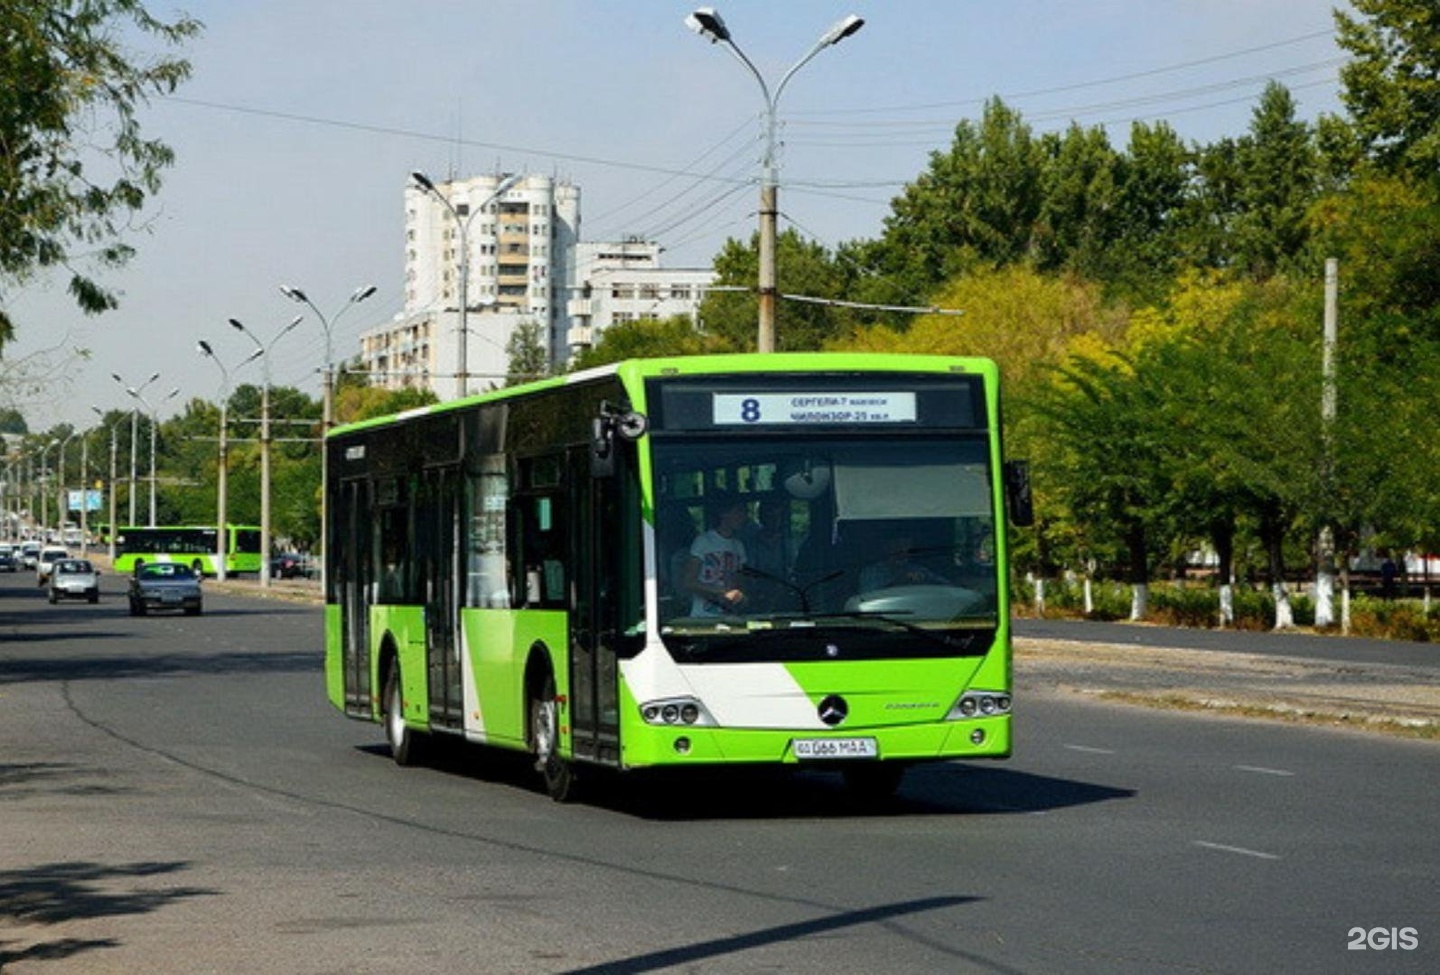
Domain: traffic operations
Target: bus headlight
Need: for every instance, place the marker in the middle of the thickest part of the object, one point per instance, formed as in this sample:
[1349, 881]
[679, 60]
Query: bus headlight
[981, 704]
[675, 711]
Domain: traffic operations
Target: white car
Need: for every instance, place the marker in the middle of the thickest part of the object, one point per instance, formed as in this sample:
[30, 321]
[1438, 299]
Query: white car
[74, 579]
[46, 561]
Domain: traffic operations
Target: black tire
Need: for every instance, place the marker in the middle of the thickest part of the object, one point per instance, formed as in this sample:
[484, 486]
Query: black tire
[557, 773]
[53, 598]
[192, 610]
[405, 743]
[94, 597]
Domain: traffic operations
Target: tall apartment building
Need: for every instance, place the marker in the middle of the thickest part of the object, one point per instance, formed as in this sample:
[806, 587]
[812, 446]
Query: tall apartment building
[526, 265]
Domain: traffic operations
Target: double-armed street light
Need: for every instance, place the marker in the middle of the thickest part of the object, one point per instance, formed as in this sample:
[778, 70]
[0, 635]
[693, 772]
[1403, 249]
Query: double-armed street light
[134, 435]
[357, 296]
[221, 542]
[44, 487]
[154, 427]
[113, 425]
[706, 22]
[62, 509]
[462, 223]
[263, 353]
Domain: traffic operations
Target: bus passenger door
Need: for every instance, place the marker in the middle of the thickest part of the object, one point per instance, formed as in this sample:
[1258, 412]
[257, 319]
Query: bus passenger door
[438, 522]
[594, 613]
[353, 564]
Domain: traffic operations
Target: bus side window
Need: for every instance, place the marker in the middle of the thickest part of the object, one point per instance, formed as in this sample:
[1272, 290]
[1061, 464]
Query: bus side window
[543, 552]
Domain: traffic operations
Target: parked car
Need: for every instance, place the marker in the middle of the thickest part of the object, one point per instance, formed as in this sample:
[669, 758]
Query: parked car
[291, 565]
[74, 579]
[49, 555]
[165, 585]
[9, 558]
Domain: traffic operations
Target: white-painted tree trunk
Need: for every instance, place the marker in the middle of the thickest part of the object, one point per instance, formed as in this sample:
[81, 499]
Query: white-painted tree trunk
[1284, 614]
[1139, 601]
[1227, 605]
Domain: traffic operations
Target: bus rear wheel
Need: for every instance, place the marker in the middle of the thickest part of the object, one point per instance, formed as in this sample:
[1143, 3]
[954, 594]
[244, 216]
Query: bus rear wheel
[545, 743]
[404, 742]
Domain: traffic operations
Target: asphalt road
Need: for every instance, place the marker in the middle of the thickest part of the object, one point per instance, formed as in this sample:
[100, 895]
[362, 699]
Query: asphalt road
[176, 796]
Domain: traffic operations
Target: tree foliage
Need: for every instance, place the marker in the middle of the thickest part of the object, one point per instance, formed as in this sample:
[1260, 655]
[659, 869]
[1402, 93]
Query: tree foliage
[74, 164]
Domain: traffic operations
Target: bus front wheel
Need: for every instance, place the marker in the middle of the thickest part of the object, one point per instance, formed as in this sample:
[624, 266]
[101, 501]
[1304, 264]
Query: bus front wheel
[545, 742]
[404, 741]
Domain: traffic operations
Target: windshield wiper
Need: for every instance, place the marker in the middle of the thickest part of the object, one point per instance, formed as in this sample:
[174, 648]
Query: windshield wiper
[942, 638]
[802, 591]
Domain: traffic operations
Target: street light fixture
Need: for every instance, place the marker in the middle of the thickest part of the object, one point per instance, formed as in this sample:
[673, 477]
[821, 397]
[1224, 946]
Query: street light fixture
[463, 223]
[706, 22]
[263, 353]
[112, 533]
[221, 542]
[357, 296]
[154, 427]
[134, 435]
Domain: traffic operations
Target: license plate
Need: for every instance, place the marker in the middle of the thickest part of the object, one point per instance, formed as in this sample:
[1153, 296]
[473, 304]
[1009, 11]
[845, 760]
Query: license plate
[171, 597]
[809, 748]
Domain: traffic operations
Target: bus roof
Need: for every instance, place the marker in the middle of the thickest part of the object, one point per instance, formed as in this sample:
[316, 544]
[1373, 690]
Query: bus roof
[634, 370]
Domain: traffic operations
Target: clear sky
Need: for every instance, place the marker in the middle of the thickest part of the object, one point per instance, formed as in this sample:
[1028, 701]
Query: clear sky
[303, 120]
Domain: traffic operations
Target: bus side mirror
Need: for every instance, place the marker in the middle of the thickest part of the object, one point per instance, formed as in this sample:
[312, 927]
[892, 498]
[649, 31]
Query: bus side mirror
[1017, 493]
[628, 425]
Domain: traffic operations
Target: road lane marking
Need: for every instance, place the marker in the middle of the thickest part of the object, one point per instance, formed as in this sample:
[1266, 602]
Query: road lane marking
[1237, 849]
[1089, 750]
[1262, 770]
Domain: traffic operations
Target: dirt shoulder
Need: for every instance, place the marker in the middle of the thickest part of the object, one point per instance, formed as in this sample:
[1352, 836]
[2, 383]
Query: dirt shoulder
[1383, 698]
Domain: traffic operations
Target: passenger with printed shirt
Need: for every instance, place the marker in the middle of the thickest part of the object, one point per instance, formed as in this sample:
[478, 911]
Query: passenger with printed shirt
[716, 556]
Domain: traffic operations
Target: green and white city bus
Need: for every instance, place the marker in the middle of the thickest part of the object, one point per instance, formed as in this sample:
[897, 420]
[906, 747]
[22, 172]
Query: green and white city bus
[193, 545]
[527, 568]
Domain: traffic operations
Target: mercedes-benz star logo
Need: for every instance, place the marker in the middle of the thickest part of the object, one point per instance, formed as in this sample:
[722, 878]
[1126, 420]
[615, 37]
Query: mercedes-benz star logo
[833, 710]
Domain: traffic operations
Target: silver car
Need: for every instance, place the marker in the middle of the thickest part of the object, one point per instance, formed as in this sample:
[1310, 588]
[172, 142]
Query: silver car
[74, 579]
[165, 585]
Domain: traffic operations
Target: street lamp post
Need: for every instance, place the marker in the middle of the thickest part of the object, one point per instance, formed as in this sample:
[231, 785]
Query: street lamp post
[134, 436]
[61, 509]
[112, 531]
[154, 426]
[221, 542]
[706, 22]
[264, 354]
[45, 488]
[357, 296]
[462, 223]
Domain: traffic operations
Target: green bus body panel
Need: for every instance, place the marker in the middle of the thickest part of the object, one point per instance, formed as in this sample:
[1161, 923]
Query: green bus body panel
[884, 698]
[334, 657]
[500, 641]
[404, 627]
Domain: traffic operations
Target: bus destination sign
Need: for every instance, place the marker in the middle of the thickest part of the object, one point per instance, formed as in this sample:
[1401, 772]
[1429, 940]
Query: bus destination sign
[731, 409]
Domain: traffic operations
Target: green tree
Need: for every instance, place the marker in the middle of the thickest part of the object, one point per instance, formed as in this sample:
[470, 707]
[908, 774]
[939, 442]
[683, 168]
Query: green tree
[12, 421]
[74, 165]
[802, 267]
[1279, 182]
[646, 339]
[1391, 84]
[526, 355]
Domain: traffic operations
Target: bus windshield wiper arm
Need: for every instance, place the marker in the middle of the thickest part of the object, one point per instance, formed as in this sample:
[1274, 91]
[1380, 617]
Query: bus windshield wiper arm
[802, 591]
[941, 638]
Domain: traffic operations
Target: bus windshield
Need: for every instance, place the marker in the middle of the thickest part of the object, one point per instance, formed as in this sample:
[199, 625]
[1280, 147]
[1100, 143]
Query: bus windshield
[782, 540]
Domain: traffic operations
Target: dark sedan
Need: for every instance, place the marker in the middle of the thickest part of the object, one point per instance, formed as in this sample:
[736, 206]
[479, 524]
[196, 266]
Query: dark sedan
[165, 585]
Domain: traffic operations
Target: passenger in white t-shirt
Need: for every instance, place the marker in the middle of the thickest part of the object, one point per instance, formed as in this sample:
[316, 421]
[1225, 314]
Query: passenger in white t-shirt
[712, 573]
